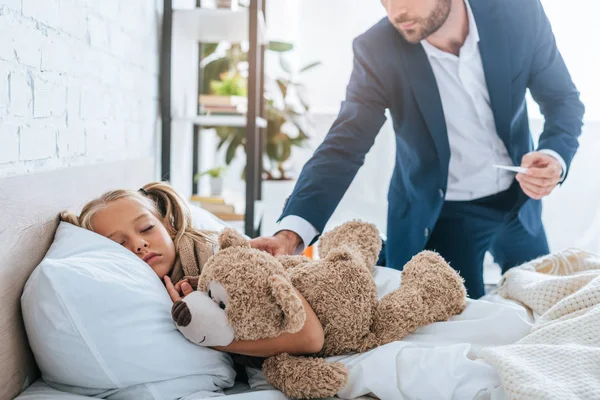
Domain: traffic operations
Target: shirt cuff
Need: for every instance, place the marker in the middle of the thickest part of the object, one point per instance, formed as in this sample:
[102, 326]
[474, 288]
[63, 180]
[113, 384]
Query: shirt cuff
[301, 227]
[554, 154]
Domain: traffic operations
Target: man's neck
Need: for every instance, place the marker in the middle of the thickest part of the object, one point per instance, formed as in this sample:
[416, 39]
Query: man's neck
[452, 35]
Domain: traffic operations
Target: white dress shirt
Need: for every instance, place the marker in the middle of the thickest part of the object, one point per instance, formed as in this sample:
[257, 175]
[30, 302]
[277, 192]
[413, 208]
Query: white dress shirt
[474, 142]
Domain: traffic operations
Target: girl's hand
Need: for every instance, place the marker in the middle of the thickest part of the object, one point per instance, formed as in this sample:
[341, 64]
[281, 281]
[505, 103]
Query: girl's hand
[179, 291]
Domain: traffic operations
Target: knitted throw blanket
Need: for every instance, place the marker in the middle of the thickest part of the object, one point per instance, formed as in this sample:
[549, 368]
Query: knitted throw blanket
[191, 257]
[560, 357]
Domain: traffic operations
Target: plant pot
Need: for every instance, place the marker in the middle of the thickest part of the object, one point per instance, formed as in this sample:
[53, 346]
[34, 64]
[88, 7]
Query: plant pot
[216, 186]
[274, 194]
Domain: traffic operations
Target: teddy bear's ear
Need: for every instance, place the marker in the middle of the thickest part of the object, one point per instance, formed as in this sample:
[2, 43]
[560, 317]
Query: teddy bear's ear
[203, 281]
[290, 304]
[229, 237]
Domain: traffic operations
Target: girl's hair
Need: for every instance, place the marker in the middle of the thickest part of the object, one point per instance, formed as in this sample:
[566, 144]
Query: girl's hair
[158, 197]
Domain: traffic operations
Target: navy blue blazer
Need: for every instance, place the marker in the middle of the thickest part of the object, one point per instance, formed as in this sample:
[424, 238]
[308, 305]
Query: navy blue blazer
[518, 52]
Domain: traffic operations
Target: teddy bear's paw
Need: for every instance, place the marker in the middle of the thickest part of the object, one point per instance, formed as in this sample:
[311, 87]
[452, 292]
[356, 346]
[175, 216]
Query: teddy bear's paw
[399, 314]
[181, 313]
[357, 235]
[305, 377]
[440, 286]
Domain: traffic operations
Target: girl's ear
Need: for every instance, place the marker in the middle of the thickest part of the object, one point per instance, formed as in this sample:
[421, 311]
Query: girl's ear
[229, 237]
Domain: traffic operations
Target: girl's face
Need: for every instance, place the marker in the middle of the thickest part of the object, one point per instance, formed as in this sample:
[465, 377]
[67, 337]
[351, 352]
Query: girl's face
[133, 226]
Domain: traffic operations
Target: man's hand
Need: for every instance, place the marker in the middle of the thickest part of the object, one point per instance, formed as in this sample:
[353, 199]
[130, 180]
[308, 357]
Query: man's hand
[179, 291]
[543, 174]
[282, 243]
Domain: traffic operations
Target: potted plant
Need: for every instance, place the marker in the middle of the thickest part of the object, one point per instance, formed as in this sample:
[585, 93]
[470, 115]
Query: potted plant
[288, 121]
[288, 125]
[216, 175]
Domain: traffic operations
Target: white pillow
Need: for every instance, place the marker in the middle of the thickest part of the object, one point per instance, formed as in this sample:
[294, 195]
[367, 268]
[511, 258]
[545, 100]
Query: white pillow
[99, 324]
[202, 219]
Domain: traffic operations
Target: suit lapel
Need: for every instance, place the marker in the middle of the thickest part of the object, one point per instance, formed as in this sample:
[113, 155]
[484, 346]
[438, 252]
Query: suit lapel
[495, 56]
[425, 89]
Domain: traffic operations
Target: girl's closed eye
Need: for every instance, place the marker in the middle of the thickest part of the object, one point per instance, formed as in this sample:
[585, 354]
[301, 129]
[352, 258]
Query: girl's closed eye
[148, 228]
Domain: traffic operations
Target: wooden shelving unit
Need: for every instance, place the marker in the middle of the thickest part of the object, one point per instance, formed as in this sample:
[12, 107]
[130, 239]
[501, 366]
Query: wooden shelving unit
[238, 121]
[212, 26]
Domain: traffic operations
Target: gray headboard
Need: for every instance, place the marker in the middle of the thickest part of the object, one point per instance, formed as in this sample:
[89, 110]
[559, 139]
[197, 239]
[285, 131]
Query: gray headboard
[29, 208]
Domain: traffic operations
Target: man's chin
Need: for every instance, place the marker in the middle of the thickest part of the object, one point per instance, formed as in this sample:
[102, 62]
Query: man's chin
[412, 36]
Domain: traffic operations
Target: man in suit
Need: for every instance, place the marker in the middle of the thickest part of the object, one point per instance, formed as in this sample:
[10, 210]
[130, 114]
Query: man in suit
[453, 74]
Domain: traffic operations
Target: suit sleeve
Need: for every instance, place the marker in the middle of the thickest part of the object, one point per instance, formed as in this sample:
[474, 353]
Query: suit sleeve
[552, 88]
[326, 176]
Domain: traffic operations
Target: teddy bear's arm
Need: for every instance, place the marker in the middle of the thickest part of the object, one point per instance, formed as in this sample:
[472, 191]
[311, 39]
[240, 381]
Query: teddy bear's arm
[308, 340]
[291, 261]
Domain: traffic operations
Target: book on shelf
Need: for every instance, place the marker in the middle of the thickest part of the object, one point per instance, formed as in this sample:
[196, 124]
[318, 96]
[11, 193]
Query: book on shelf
[222, 101]
[207, 199]
[219, 208]
[230, 216]
[207, 110]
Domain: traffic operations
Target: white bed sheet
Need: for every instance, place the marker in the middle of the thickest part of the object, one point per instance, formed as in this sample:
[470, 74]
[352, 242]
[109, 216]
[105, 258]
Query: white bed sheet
[440, 361]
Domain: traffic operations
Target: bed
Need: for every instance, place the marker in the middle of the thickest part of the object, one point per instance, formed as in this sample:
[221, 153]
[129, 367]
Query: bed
[30, 205]
[441, 361]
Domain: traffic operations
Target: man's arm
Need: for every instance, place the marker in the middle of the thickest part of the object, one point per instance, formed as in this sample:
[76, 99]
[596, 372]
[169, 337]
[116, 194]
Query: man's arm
[552, 88]
[326, 176]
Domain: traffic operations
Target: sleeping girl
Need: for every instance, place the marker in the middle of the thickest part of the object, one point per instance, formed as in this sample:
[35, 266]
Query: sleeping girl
[155, 223]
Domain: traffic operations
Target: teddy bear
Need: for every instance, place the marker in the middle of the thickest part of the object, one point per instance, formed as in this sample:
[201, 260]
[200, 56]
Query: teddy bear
[247, 294]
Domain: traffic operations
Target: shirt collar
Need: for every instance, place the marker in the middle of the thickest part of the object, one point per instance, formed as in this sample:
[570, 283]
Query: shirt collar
[469, 46]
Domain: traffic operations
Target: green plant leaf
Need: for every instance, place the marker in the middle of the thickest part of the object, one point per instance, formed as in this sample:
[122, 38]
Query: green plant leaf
[233, 145]
[283, 85]
[310, 66]
[271, 150]
[215, 172]
[285, 65]
[222, 142]
[280, 47]
[286, 150]
[208, 49]
[298, 141]
[213, 70]
[230, 84]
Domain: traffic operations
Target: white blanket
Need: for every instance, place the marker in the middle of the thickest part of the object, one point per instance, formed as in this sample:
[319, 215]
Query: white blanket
[439, 361]
[560, 358]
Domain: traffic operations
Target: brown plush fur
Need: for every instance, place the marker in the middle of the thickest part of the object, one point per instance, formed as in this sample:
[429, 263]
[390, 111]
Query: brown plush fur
[297, 377]
[292, 261]
[262, 302]
[340, 289]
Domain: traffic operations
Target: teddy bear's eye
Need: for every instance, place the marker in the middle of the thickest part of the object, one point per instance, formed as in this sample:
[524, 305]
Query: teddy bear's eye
[209, 294]
[222, 305]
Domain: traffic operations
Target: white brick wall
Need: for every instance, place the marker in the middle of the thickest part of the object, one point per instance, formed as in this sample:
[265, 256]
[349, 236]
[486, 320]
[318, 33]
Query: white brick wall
[78, 82]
